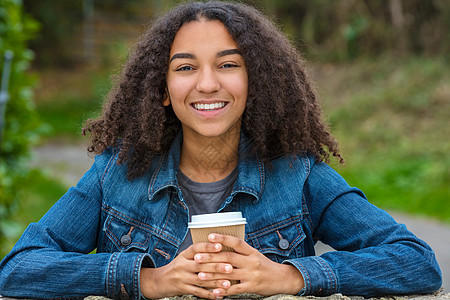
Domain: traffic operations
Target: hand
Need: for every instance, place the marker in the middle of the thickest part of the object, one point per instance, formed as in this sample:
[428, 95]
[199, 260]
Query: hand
[256, 273]
[179, 277]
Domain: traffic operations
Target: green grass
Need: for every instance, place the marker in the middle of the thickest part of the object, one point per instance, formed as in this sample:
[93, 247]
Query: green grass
[391, 118]
[66, 116]
[40, 192]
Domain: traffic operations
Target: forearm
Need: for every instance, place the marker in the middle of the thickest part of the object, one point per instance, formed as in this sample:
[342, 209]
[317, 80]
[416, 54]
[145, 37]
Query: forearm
[48, 274]
[42, 268]
[375, 255]
[374, 271]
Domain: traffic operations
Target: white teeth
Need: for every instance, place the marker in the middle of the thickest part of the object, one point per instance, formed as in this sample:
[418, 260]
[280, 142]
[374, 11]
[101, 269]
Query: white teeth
[211, 106]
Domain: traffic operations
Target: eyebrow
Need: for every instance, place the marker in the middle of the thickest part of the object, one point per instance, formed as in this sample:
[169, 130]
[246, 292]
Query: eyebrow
[229, 52]
[192, 56]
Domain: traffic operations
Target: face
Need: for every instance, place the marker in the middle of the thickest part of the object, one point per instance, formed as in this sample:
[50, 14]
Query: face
[207, 79]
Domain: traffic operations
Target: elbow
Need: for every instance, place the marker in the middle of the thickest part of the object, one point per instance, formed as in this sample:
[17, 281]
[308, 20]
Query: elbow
[435, 279]
[429, 276]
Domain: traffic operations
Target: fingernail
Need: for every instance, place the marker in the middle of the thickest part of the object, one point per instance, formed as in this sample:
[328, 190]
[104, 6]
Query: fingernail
[197, 257]
[226, 284]
[228, 268]
[217, 246]
[212, 236]
[201, 275]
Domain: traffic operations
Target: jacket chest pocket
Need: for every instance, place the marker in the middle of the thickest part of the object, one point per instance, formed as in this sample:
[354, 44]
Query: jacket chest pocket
[124, 236]
[279, 241]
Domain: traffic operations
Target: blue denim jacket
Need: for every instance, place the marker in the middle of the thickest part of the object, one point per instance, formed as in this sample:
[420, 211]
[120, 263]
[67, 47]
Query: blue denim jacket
[288, 207]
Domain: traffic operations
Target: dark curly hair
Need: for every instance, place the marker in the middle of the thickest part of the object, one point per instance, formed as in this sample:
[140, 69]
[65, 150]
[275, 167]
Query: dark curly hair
[282, 115]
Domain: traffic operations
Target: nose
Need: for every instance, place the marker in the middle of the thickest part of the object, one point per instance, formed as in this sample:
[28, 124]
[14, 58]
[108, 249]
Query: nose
[207, 81]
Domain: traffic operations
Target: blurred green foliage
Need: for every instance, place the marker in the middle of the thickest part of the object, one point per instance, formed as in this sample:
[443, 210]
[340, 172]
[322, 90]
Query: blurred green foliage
[21, 122]
[59, 43]
[38, 192]
[391, 118]
[342, 30]
[337, 30]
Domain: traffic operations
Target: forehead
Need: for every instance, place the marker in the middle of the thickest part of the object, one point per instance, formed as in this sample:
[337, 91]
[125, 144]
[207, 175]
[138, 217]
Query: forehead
[202, 35]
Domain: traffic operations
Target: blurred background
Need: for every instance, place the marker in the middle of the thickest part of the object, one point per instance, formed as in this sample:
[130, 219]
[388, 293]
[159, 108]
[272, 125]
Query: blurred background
[381, 69]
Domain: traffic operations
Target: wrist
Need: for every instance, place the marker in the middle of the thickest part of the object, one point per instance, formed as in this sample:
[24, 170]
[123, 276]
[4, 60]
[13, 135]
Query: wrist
[148, 283]
[294, 282]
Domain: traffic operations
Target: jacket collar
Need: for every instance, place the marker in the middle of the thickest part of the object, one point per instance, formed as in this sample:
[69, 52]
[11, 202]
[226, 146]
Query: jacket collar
[250, 179]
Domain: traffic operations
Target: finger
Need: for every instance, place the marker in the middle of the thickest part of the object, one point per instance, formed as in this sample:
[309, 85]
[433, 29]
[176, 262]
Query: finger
[212, 276]
[219, 293]
[211, 267]
[238, 245]
[201, 247]
[234, 289]
[213, 284]
[201, 292]
[227, 258]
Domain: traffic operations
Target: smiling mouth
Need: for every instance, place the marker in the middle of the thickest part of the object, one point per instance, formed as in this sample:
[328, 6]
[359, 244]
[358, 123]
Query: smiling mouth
[209, 106]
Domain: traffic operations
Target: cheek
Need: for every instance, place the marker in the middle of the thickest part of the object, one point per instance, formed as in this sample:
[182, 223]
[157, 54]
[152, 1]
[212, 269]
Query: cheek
[240, 89]
[178, 90]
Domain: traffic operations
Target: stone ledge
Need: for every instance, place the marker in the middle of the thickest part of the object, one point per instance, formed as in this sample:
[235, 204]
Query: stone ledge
[437, 295]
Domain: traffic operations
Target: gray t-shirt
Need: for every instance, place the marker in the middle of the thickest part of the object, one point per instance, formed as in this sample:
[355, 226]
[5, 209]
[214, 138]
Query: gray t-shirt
[204, 198]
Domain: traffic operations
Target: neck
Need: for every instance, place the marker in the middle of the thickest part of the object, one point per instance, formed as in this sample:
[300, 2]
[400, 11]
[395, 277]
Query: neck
[209, 159]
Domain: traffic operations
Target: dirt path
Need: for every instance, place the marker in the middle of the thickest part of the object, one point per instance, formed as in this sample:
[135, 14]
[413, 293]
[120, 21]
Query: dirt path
[70, 162]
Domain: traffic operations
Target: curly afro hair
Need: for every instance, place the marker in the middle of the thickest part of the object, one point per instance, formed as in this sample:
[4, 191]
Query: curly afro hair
[282, 115]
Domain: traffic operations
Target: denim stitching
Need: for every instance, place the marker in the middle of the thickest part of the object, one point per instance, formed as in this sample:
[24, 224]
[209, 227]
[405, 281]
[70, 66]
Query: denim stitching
[109, 276]
[261, 177]
[306, 280]
[300, 237]
[306, 214]
[116, 240]
[307, 164]
[135, 275]
[155, 175]
[108, 166]
[109, 233]
[275, 226]
[246, 189]
[329, 271]
[167, 221]
[293, 245]
[166, 255]
[143, 226]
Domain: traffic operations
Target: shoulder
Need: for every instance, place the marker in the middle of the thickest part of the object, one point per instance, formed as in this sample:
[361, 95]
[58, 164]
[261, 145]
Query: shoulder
[288, 171]
[293, 163]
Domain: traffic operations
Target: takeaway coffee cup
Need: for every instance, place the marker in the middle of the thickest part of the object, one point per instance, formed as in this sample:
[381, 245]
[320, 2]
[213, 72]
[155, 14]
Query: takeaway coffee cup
[229, 223]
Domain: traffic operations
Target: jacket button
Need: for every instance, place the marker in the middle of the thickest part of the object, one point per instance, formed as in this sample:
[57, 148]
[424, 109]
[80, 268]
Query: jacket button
[123, 293]
[125, 240]
[284, 244]
[124, 296]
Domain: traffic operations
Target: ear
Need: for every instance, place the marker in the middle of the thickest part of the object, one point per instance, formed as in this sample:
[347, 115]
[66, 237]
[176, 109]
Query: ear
[166, 101]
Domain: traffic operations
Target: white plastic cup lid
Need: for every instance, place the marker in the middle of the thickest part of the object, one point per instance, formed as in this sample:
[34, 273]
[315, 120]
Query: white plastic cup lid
[217, 219]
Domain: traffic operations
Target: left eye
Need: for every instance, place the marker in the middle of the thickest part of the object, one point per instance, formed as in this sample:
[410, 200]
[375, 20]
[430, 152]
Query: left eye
[227, 66]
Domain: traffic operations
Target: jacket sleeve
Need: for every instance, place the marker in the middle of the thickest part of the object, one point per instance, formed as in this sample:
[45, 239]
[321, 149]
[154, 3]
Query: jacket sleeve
[375, 255]
[52, 260]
